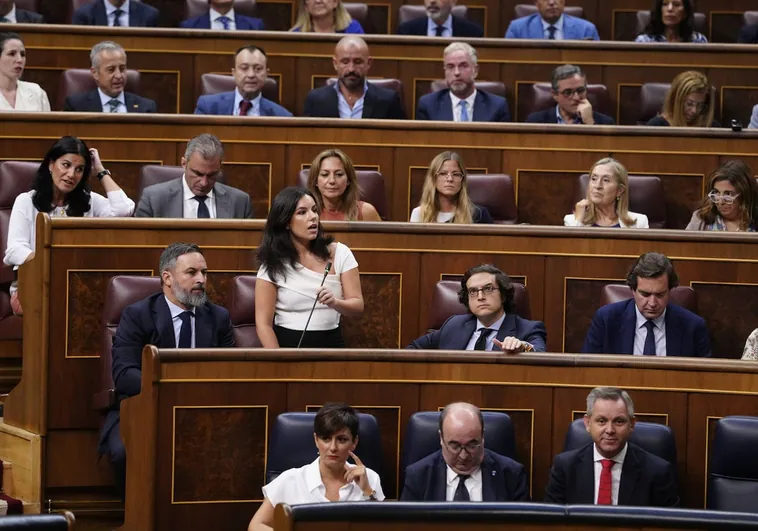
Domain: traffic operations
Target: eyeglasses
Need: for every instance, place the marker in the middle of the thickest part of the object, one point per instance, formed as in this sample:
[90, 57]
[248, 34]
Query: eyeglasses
[457, 447]
[699, 106]
[486, 290]
[727, 198]
[567, 93]
[454, 175]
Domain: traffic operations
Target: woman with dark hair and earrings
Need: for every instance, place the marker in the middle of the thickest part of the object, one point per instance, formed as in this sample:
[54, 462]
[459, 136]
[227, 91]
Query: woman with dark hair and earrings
[732, 203]
[304, 275]
[61, 188]
[672, 21]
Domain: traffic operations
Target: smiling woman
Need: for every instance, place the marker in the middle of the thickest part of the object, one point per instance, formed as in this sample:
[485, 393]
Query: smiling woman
[325, 16]
[17, 95]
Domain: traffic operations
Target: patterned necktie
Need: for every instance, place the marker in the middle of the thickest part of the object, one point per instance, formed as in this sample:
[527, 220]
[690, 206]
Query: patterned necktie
[461, 493]
[440, 31]
[481, 342]
[464, 111]
[185, 333]
[202, 208]
[117, 18]
[649, 348]
[225, 21]
[604, 489]
[245, 106]
[3, 20]
[114, 103]
[551, 30]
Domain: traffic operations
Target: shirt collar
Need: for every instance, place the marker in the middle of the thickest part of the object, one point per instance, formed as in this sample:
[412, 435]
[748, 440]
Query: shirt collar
[11, 16]
[618, 458]
[104, 98]
[641, 319]
[189, 194]
[470, 100]
[577, 119]
[256, 101]
[214, 15]
[558, 24]
[313, 479]
[176, 310]
[494, 326]
[475, 476]
[110, 8]
[339, 93]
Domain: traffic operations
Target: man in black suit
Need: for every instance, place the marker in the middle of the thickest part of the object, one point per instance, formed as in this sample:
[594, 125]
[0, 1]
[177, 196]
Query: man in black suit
[108, 61]
[179, 316]
[570, 93]
[126, 13]
[353, 96]
[463, 470]
[611, 470]
[440, 22]
[10, 14]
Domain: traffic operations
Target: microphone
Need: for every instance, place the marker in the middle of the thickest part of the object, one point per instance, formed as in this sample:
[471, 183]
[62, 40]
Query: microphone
[326, 272]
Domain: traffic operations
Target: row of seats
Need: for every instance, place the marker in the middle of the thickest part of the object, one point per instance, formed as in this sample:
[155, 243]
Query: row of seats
[732, 473]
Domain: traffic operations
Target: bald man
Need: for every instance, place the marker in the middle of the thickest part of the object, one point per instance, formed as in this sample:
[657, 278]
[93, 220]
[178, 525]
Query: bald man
[353, 96]
[462, 469]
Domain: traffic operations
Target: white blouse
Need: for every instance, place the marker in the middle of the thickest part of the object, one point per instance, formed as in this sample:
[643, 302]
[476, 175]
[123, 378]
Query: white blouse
[304, 485]
[442, 217]
[21, 235]
[29, 97]
[297, 291]
[569, 220]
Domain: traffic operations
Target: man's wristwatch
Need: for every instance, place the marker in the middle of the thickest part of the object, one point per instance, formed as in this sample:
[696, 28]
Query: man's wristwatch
[370, 497]
[103, 174]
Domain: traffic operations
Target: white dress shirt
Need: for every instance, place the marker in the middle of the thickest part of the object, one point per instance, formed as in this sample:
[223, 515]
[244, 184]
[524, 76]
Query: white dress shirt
[255, 110]
[457, 111]
[431, 27]
[490, 339]
[29, 97]
[110, 11]
[216, 24]
[558, 28]
[176, 311]
[304, 485]
[618, 464]
[473, 484]
[191, 204]
[11, 16]
[442, 217]
[640, 333]
[104, 99]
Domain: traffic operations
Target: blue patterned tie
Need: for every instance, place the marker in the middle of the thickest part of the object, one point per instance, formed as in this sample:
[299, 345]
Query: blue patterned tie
[225, 21]
[464, 111]
[117, 18]
[551, 30]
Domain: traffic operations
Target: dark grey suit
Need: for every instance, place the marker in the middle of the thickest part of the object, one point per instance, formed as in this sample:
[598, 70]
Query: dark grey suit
[166, 200]
[28, 17]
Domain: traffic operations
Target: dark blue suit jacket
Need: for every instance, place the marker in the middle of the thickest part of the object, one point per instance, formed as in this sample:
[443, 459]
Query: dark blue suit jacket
[458, 329]
[530, 27]
[28, 17]
[503, 479]
[548, 116]
[419, 26]
[148, 322]
[379, 103]
[646, 479]
[438, 106]
[90, 102]
[204, 22]
[222, 105]
[140, 15]
[613, 327]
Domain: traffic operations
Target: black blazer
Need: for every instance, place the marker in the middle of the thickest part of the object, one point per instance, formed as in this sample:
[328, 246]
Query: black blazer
[548, 116]
[90, 102]
[660, 121]
[140, 15]
[646, 479]
[749, 34]
[148, 322]
[503, 479]
[461, 27]
[28, 17]
[379, 103]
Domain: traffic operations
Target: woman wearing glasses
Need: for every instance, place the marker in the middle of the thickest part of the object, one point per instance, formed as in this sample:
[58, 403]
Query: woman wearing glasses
[444, 198]
[688, 103]
[732, 203]
[671, 21]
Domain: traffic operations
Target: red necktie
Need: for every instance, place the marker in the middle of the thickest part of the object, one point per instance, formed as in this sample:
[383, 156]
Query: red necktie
[604, 490]
[245, 106]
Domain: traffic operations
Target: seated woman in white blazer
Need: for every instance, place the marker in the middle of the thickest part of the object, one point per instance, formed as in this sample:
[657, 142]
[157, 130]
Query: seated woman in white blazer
[17, 95]
[607, 201]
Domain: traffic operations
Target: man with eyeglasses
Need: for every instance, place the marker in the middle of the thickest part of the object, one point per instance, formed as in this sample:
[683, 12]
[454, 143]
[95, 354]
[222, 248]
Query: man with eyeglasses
[462, 470]
[491, 324]
[569, 86]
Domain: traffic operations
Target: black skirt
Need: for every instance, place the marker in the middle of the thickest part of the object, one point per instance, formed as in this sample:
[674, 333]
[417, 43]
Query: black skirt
[313, 339]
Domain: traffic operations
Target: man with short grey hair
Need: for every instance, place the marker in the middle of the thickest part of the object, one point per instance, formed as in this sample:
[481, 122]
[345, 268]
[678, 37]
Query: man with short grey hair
[440, 22]
[108, 68]
[179, 316]
[197, 193]
[569, 87]
[611, 470]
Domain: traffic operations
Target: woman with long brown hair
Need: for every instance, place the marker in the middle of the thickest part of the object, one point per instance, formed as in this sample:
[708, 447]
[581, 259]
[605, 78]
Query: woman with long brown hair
[688, 102]
[731, 203]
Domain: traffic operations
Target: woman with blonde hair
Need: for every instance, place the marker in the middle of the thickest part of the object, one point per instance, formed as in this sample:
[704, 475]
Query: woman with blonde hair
[334, 184]
[688, 102]
[445, 198]
[325, 16]
[732, 203]
[607, 200]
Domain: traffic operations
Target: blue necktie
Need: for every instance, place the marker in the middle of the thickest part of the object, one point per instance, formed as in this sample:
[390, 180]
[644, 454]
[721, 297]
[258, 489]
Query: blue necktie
[481, 342]
[225, 21]
[117, 18]
[649, 348]
[202, 208]
[440, 31]
[185, 333]
[461, 493]
[464, 111]
[551, 30]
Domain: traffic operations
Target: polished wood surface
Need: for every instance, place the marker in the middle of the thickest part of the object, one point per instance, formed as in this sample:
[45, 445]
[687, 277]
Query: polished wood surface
[203, 403]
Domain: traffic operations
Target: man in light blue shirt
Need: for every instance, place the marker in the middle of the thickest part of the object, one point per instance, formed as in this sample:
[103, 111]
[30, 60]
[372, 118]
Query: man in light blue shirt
[551, 23]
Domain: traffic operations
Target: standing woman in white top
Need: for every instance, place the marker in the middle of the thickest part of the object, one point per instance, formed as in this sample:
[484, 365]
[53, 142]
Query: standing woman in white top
[607, 201]
[293, 256]
[17, 95]
[61, 188]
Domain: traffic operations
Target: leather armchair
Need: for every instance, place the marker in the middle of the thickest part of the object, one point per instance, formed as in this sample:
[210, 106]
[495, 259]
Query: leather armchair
[494, 191]
[732, 466]
[358, 11]
[241, 305]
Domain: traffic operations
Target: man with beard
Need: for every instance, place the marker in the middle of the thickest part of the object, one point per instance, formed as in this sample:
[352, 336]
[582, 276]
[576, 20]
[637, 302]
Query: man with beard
[440, 22]
[180, 316]
[353, 96]
[462, 469]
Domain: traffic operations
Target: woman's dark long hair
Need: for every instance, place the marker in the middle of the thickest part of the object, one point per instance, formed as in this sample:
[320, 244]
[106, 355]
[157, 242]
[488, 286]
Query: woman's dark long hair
[277, 249]
[78, 199]
[686, 27]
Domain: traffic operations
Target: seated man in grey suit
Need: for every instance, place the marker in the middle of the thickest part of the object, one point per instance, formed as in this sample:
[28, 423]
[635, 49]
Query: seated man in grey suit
[250, 74]
[10, 14]
[196, 194]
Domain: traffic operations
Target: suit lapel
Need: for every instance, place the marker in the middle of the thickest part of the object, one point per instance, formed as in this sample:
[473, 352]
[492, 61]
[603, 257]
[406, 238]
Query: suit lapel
[628, 328]
[630, 474]
[266, 109]
[241, 23]
[492, 484]
[480, 107]
[585, 476]
[535, 28]
[461, 340]
[164, 326]
[445, 106]
[203, 327]
[175, 200]
[369, 102]
[135, 20]
[132, 103]
[223, 203]
[226, 104]
[439, 480]
[99, 15]
[674, 331]
[508, 328]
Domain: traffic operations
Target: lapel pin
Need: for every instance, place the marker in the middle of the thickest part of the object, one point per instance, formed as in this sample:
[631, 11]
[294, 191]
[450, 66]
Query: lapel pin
[136, 106]
[493, 472]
